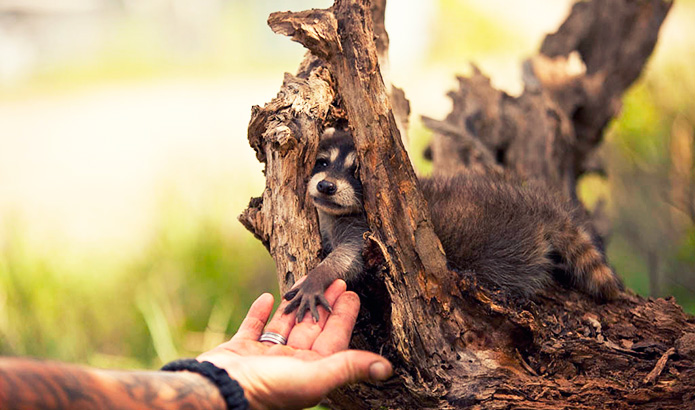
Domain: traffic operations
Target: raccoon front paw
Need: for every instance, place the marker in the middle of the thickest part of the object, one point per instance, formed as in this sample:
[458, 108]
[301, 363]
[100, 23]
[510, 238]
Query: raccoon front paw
[307, 296]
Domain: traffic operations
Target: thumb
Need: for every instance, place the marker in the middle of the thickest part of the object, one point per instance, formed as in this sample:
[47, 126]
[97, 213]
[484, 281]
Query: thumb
[352, 366]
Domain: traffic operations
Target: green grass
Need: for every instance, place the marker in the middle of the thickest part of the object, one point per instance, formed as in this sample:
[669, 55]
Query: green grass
[185, 293]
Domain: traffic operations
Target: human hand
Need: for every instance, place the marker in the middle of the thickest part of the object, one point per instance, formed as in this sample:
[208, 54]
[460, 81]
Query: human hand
[314, 361]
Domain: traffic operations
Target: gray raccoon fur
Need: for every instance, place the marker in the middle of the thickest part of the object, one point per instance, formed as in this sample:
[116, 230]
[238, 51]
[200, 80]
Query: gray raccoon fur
[514, 236]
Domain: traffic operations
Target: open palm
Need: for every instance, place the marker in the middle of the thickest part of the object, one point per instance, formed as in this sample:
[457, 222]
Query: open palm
[314, 361]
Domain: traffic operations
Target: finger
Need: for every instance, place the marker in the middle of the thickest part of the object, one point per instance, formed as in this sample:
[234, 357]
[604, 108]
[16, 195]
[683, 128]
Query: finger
[335, 335]
[256, 318]
[304, 333]
[314, 309]
[350, 366]
[294, 302]
[324, 302]
[321, 299]
[301, 311]
[283, 319]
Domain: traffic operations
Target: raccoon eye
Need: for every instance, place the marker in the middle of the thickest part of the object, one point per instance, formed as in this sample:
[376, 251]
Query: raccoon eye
[321, 163]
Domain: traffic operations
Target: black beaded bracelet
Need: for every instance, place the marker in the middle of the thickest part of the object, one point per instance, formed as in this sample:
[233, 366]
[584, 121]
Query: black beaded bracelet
[230, 389]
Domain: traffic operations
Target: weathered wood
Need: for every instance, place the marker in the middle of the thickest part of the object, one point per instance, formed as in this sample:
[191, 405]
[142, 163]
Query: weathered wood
[412, 250]
[573, 88]
[452, 345]
[427, 313]
[285, 134]
[614, 39]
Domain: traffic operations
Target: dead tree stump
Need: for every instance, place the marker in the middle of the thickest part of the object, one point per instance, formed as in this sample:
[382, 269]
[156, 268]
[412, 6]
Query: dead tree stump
[452, 345]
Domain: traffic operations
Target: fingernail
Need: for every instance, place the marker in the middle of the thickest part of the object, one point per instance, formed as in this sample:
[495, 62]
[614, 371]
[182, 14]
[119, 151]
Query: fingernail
[379, 371]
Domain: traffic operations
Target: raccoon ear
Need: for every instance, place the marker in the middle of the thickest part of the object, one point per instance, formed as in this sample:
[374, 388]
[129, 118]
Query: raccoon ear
[328, 132]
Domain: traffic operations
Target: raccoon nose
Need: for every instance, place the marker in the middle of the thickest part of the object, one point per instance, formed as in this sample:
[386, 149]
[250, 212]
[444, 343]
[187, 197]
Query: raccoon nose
[326, 187]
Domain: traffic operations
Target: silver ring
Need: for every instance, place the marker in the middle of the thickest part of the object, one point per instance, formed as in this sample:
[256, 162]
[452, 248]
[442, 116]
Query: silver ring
[273, 337]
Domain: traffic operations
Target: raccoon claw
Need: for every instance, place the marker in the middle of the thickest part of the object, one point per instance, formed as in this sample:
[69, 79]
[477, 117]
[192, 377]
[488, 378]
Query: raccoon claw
[292, 306]
[291, 294]
[303, 308]
[324, 302]
[306, 300]
[310, 303]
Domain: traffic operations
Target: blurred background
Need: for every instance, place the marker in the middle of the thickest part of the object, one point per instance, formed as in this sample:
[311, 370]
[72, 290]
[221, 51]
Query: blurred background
[124, 160]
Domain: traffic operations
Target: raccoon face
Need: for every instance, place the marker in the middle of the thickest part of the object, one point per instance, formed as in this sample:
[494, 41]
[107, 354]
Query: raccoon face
[334, 186]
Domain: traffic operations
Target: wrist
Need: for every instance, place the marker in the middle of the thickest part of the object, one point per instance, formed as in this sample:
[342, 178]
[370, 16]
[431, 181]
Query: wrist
[229, 389]
[238, 373]
[199, 382]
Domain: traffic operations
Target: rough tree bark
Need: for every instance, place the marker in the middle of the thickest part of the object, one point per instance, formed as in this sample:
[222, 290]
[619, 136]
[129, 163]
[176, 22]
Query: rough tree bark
[452, 345]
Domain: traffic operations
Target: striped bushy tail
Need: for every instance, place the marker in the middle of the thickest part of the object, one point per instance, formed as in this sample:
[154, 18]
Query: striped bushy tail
[586, 264]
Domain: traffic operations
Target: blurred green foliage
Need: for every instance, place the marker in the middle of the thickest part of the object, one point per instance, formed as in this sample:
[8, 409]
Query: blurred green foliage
[189, 287]
[465, 33]
[419, 141]
[182, 295]
[649, 157]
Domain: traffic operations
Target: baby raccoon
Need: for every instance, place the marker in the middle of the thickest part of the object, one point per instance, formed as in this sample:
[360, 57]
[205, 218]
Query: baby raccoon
[514, 237]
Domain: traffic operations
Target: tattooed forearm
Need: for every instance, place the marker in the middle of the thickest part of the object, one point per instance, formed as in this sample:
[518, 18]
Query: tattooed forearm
[26, 384]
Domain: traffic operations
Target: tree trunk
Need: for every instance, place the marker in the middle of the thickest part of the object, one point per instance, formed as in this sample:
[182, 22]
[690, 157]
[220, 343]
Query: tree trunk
[452, 345]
